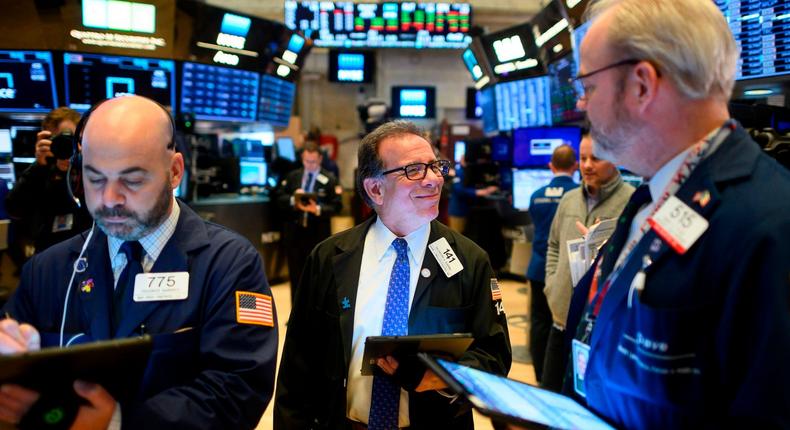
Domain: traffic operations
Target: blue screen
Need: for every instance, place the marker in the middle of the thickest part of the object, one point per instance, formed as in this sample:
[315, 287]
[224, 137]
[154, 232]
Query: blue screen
[486, 98]
[219, 93]
[235, 25]
[524, 103]
[296, 43]
[413, 102]
[472, 65]
[526, 182]
[276, 101]
[533, 146]
[252, 172]
[285, 148]
[351, 67]
[27, 82]
[500, 149]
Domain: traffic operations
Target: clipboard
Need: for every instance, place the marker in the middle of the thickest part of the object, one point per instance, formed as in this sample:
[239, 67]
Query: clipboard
[118, 365]
[512, 401]
[446, 344]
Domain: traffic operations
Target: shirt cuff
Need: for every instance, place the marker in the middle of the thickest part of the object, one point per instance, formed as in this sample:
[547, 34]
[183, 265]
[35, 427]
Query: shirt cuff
[115, 421]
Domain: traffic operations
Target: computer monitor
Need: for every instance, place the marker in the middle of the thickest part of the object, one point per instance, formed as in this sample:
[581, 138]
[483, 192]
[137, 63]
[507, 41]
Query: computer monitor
[760, 30]
[90, 78]
[488, 107]
[252, 171]
[219, 93]
[533, 146]
[459, 151]
[276, 101]
[27, 82]
[285, 148]
[414, 102]
[526, 182]
[5, 143]
[512, 53]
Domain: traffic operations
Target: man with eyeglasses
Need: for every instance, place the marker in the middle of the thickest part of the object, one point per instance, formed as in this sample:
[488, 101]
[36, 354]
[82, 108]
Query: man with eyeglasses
[684, 319]
[398, 273]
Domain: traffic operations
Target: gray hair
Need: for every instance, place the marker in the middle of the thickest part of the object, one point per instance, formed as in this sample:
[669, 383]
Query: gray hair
[689, 41]
[370, 164]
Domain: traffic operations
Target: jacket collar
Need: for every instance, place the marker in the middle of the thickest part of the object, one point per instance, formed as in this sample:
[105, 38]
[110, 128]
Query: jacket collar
[607, 189]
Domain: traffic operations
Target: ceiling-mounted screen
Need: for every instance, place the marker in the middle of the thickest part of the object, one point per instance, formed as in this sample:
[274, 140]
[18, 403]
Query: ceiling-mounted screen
[414, 102]
[27, 82]
[762, 30]
[563, 97]
[573, 10]
[354, 67]
[552, 36]
[90, 78]
[276, 101]
[533, 146]
[512, 53]
[524, 103]
[219, 93]
[381, 25]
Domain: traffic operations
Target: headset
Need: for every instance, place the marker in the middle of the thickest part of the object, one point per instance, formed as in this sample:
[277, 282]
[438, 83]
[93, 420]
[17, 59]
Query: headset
[77, 193]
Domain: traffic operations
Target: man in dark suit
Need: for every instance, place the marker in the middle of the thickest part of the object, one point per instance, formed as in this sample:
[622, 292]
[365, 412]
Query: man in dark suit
[543, 204]
[684, 319]
[398, 273]
[308, 198]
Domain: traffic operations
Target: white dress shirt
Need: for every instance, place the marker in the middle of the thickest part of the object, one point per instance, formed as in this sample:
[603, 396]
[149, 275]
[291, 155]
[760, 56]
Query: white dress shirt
[378, 257]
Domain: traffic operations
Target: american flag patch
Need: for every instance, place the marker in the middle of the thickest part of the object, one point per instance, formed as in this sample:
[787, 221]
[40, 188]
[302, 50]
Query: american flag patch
[254, 308]
[496, 293]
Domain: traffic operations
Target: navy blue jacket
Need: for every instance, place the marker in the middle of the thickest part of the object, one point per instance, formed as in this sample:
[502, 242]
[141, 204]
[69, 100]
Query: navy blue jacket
[215, 373]
[707, 342]
[542, 207]
[311, 386]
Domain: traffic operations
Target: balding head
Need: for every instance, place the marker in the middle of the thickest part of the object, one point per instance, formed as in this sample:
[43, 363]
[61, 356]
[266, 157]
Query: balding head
[563, 159]
[129, 166]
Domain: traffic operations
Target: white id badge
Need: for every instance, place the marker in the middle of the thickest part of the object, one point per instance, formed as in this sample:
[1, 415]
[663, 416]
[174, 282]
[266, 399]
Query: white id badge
[151, 287]
[62, 223]
[446, 257]
[581, 353]
[678, 225]
[322, 179]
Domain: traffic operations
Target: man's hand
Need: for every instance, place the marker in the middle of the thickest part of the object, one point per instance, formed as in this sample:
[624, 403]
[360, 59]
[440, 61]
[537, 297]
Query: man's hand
[15, 337]
[487, 191]
[43, 145]
[98, 413]
[15, 401]
[429, 380]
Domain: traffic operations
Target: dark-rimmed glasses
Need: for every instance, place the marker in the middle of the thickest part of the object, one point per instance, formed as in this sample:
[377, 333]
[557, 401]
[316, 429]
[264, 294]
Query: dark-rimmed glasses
[583, 91]
[418, 171]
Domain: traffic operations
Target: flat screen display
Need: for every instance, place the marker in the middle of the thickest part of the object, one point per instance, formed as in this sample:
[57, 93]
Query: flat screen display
[27, 82]
[533, 146]
[526, 182]
[501, 149]
[90, 78]
[285, 148]
[351, 66]
[524, 103]
[552, 35]
[219, 93]
[276, 101]
[252, 172]
[488, 106]
[414, 102]
[563, 97]
[459, 151]
[381, 25]
[513, 54]
[762, 31]
[5, 142]
[578, 35]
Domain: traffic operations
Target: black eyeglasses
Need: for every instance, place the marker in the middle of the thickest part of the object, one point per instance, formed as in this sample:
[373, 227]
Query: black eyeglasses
[418, 171]
[583, 91]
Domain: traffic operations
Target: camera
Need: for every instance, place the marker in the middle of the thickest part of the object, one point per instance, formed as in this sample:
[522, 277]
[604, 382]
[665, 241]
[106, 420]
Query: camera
[63, 145]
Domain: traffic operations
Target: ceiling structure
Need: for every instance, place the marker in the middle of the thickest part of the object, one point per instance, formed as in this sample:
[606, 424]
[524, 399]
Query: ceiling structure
[491, 15]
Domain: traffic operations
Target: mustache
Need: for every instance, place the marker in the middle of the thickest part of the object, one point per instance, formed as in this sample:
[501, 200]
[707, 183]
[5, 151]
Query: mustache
[113, 212]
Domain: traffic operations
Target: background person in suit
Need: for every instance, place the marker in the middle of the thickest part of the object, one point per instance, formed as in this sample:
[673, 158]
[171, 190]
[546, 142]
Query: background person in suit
[685, 316]
[307, 220]
[381, 277]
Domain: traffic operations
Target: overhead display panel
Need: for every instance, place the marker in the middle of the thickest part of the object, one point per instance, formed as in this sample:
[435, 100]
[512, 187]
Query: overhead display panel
[276, 101]
[552, 35]
[90, 78]
[26, 82]
[524, 103]
[223, 37]
[512, 53]
[573, 10]
[219, 93]
[762, 31]
[381, 25]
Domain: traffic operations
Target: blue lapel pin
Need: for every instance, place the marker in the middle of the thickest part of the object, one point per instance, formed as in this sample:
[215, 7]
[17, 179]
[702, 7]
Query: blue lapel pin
[346, 303]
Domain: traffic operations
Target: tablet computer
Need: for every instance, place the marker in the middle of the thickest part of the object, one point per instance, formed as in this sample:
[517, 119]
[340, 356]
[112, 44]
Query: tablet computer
[513, 401]
[445, 344]
[118, 365]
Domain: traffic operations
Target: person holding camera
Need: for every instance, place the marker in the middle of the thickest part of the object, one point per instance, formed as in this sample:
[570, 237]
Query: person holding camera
[41, 197]
[308, 197]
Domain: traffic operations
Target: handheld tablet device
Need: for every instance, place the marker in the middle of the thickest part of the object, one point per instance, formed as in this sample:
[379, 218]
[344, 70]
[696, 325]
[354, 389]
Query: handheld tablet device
[448, 344]
[512, 401]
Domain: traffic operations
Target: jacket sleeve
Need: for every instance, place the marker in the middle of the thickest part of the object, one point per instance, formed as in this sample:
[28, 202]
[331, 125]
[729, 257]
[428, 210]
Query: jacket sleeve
[236, 361]
[284, 193]
[23, 200]
[491, 349]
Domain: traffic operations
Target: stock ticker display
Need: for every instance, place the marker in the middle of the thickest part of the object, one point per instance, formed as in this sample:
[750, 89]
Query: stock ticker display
[762, 31]
[219, 93]
[524, 103]
[276, 101]
[381, 25]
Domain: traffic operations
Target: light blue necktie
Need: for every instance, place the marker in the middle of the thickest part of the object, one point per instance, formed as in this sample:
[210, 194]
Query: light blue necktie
[385, 398]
